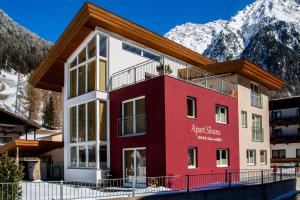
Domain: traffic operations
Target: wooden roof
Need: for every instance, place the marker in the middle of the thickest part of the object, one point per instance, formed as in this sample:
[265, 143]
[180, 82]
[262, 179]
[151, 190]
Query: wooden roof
[50, 73]
[30, 147]
[9, 118]
[248, 69]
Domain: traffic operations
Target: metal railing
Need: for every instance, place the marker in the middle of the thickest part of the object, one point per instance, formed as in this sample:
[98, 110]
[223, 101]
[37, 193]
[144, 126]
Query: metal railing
[130, 187]
[257, 134]
[175, 69]
[134, 125]
[256, 100]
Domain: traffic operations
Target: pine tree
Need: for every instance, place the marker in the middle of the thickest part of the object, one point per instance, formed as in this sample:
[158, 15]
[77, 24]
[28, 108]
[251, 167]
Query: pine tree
[10, 173]
[48, 114]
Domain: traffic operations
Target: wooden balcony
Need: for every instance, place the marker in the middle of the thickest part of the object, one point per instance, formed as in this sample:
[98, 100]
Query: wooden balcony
[285, 160]
[285, 120]
[285, 139]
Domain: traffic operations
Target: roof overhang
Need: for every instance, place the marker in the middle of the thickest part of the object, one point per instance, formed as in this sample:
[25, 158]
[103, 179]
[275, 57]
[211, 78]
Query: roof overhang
[30, 147]
[248, 69]
[50, 73]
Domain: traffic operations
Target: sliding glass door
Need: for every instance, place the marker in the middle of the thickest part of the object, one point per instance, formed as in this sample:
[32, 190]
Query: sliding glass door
[134, 166]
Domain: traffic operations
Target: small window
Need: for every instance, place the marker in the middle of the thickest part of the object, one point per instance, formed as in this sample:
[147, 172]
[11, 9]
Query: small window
[151, 56]
[250, 157]
[192, 157]
[103, 46]
[82, 56]
[297, 153]
[244, 119]
[221, 114]
[280, 153]
[222, 157]
[263, 157]
[132, 49]
[191, 107]
[92, 48]
[276, 114]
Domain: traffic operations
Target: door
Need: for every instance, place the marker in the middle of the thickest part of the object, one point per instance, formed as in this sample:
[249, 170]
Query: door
[134, 166]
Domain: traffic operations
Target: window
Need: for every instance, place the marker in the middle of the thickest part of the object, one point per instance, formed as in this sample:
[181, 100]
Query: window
[83, 68]
[257, 131]
[221, 114]
[5, 139]
[256, 98]
[280, 153]
[297, 153]
[191, 107]
[192, 157]
[133, 119]
[250, 157]
[140, 52]
[263, 157]
[222, 157]
[82, 130]
[151, 56]
[254, 88]
[244, 119]
[277, 132]
[276, 114]
[132, 49]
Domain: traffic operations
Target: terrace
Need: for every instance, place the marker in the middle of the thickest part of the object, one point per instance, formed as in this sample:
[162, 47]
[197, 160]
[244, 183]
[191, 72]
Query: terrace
[179, 70]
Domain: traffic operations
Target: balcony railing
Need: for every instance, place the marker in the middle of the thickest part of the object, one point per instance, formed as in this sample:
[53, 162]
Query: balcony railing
[256, 100]
[134, 125]
[182, 71]
[285, 119]
[257, 134]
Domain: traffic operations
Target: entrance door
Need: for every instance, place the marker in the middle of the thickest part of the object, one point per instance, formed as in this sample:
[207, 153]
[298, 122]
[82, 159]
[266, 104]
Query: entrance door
[134, 166]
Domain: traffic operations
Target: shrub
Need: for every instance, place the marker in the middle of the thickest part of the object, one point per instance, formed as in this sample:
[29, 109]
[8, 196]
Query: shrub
[10, 176]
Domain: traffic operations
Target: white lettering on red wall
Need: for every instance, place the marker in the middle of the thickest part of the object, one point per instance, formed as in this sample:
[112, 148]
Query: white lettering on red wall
[207, 133]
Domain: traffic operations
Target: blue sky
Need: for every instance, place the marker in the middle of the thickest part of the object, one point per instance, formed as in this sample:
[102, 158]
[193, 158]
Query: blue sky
[49, 18]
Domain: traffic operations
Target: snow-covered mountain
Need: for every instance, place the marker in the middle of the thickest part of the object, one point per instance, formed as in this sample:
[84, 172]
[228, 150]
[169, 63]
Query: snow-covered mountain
[21, 51]
[266, 32]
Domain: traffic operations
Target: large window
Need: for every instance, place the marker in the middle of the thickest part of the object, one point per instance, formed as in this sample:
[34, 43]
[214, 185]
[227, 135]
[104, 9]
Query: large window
[83, 132]
[263, 157]
[192, 157]
[221, 114]
[244, 119]
[280, 153]
[83, 68]
[191, 107]
[133, 119]
[222, 157]
[251, 157]
[257, 131]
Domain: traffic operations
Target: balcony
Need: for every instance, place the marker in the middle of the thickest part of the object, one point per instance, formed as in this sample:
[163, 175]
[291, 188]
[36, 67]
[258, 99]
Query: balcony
[257, 134]
[182, 71]
[285, 160]
[132, 126]
[285, 139]
[285, 119]
[256, 100]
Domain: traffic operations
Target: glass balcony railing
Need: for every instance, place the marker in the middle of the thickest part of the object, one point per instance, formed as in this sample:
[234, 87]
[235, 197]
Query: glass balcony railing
[256, 100]
[257, 134]
[167, 66]
[134, 125]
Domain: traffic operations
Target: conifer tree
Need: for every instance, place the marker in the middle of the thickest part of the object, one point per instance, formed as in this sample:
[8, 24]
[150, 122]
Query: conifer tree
[48, 114]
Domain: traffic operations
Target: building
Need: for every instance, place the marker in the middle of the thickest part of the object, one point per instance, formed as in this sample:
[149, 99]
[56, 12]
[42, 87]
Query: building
[36, 149]
[137, 104]
[253, 84]
[285, 130]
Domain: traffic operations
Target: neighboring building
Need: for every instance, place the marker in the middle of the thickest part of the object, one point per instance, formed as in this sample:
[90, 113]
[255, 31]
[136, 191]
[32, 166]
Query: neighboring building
[253, 109]
[135, 105]
[285, 130]
[38, 150]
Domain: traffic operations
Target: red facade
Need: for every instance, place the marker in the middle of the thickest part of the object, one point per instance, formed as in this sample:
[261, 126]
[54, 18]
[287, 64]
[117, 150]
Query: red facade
[170, 132]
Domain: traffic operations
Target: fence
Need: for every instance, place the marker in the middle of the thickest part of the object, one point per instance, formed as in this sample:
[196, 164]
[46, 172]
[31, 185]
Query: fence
[176, 69]
[130, 187]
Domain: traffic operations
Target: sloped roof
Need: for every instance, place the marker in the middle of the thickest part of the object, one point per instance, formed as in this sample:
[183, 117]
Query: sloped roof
[50, 74]
[248, 69]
